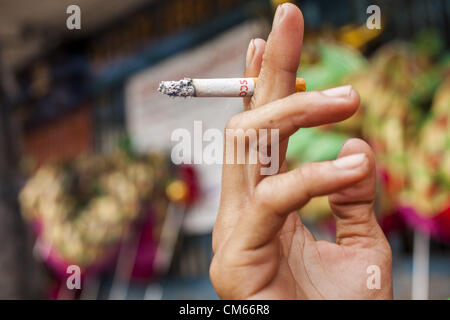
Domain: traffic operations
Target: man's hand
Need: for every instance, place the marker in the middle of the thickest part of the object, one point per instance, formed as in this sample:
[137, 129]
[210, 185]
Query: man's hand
[262, 250]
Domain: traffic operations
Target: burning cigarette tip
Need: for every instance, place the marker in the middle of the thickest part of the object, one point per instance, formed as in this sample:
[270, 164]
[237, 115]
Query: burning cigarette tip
[182, 88]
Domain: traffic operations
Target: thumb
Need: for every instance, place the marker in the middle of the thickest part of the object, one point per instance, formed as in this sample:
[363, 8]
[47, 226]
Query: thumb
[356, 223]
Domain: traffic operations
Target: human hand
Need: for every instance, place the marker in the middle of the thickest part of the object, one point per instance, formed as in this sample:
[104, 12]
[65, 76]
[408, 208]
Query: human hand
[261, 248]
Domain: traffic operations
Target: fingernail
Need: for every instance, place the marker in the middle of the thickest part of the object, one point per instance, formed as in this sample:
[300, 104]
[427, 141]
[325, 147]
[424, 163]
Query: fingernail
[343, 91]
[278, 15]
[350, 162]
[250, 52]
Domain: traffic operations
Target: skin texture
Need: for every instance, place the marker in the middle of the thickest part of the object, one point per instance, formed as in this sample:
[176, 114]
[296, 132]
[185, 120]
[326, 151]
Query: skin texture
[261, 248]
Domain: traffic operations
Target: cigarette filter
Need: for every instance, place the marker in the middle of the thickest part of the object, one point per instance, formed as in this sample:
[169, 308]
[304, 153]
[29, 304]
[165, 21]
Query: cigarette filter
[226, 87]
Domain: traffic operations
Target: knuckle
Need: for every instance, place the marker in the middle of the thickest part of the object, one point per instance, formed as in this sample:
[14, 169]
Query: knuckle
[216, 276]
[234, 122]
[306, 176]
[389, 254]
[262, 197]
[252, 104]
[313, 95]
[306, 171]
[221, 278]
[214, 272]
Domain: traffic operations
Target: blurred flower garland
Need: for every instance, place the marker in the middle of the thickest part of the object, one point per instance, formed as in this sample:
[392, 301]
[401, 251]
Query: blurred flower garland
[84, 207]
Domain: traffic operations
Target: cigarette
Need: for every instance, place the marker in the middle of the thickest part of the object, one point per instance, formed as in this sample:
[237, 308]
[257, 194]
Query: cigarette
[228, 87]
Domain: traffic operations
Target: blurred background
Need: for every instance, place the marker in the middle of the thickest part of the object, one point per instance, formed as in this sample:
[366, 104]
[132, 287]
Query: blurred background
[85, 172]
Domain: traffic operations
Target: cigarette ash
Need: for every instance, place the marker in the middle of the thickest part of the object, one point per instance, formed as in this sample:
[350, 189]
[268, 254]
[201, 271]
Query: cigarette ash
[182, 88]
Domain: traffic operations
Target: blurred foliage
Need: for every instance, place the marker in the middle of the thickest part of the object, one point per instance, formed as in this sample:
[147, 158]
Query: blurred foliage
[404, 116]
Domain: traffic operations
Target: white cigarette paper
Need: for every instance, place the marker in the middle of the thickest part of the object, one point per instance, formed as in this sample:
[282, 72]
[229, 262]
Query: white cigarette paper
[231, 87]
[227, 87]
